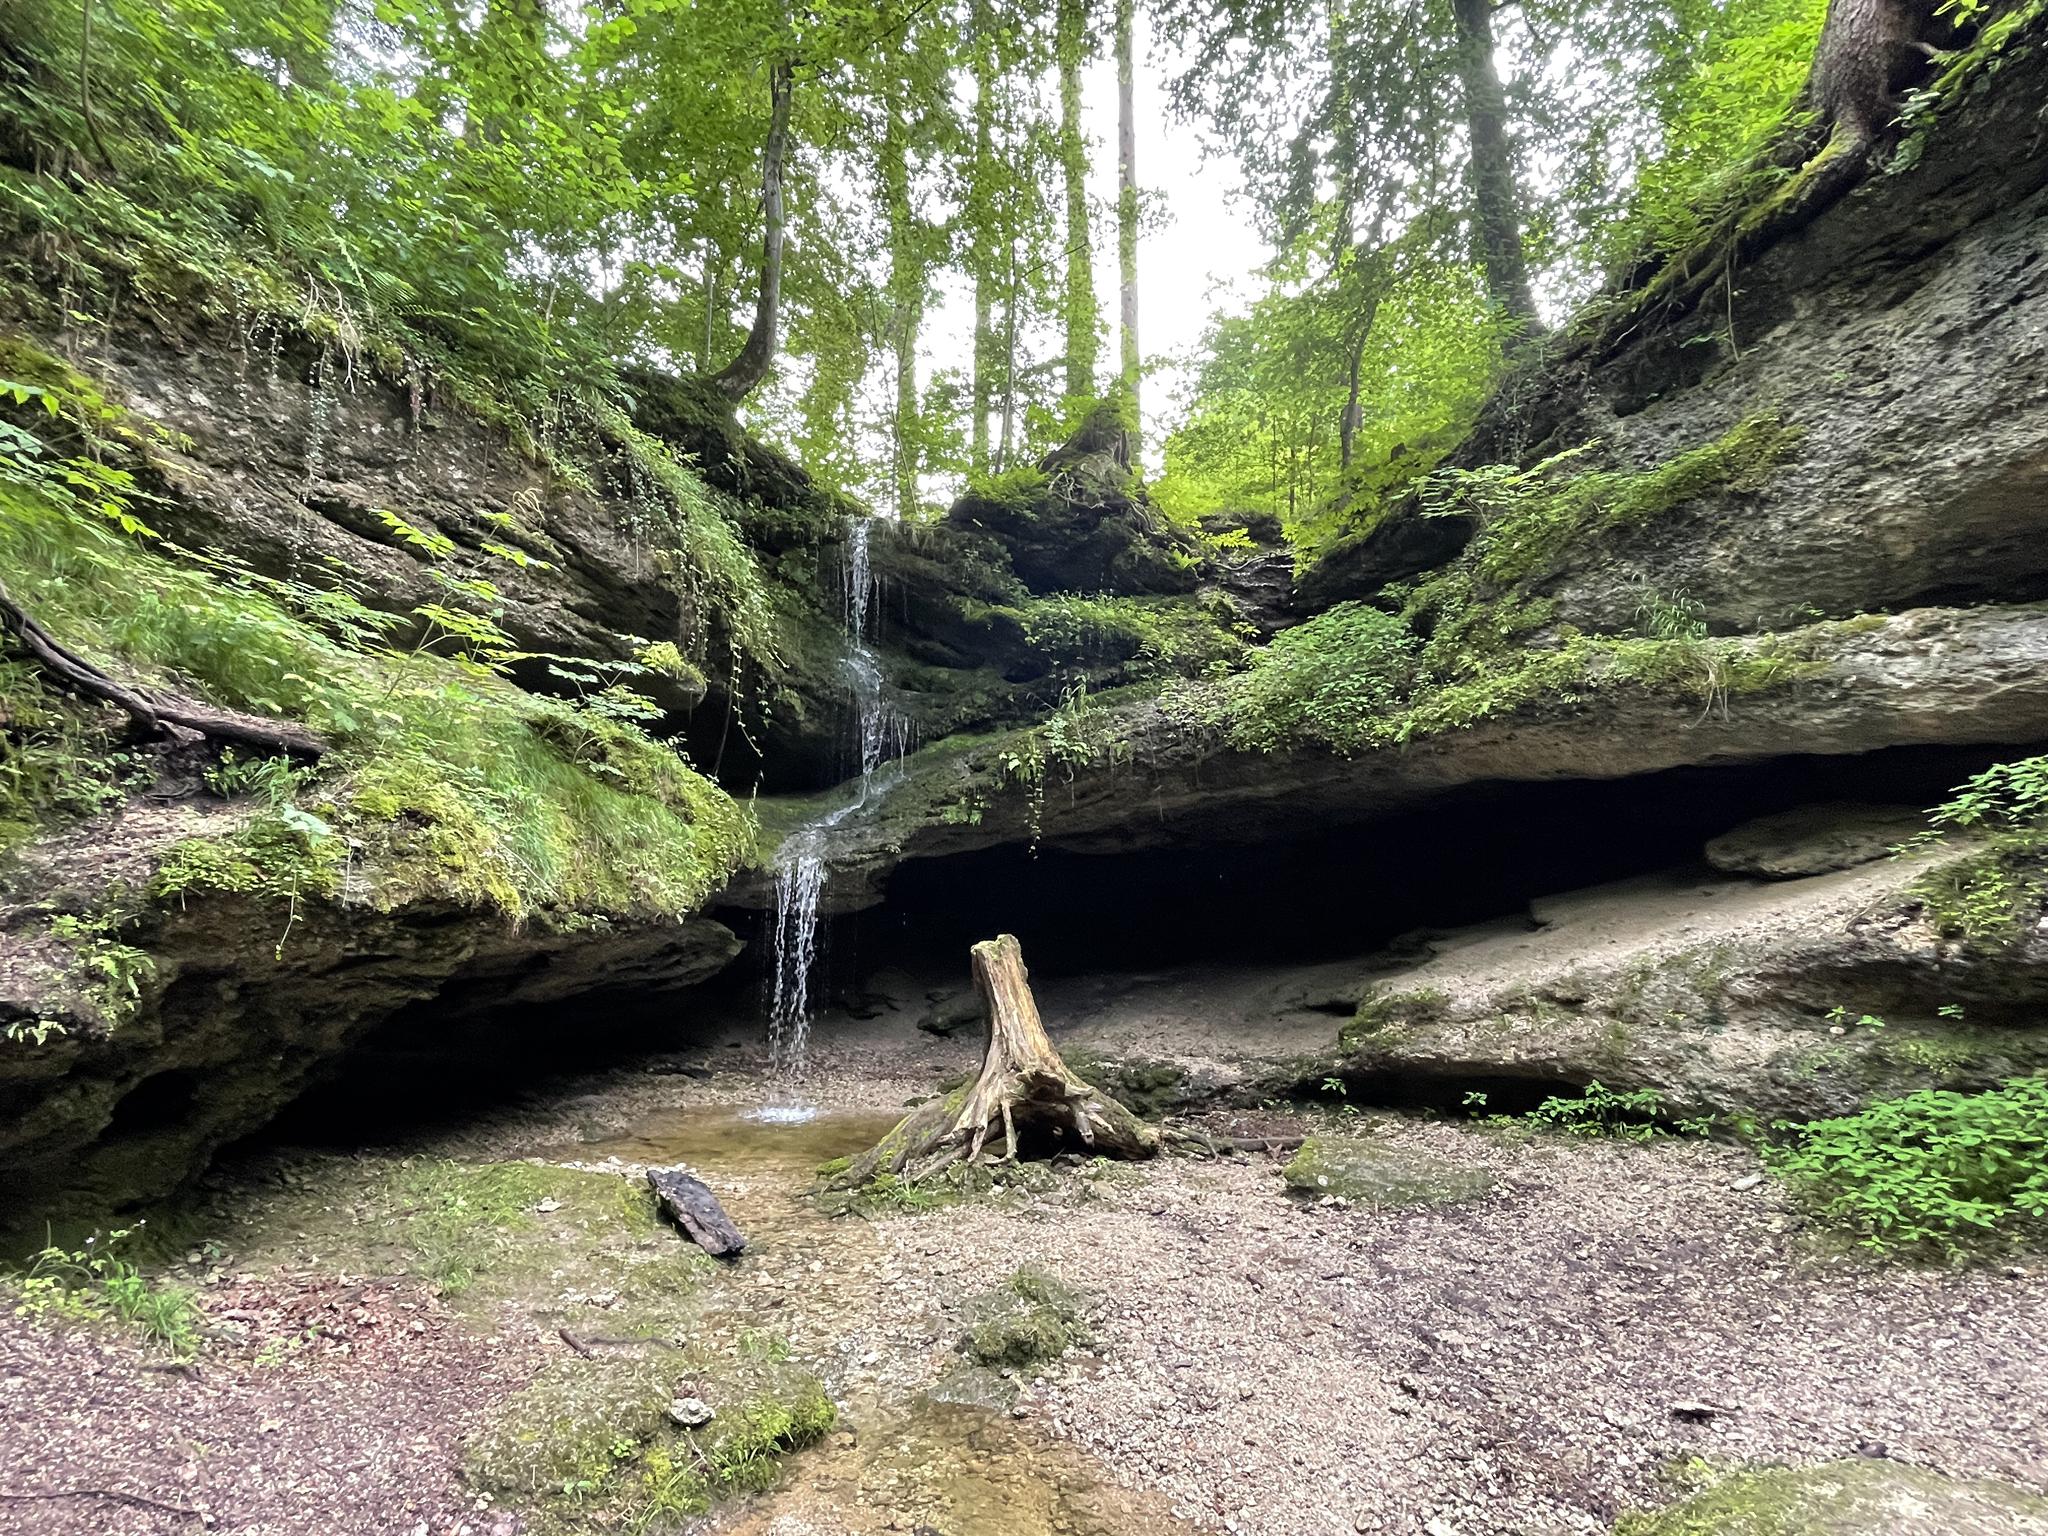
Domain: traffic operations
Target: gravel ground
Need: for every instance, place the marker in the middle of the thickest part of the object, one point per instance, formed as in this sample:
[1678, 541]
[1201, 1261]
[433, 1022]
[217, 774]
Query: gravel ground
[1509, 1366]
[355, 1432]
[1258, 1364]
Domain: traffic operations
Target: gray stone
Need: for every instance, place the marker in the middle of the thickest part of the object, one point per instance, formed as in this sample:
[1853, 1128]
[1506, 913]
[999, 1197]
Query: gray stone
[1814, 840]
[691, 1412]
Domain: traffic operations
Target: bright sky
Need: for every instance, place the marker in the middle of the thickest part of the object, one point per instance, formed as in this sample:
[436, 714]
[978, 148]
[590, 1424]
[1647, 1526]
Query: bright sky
[1201, 255]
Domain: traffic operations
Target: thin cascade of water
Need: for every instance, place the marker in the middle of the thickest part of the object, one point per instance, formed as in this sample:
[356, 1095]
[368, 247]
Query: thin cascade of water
[881, 739]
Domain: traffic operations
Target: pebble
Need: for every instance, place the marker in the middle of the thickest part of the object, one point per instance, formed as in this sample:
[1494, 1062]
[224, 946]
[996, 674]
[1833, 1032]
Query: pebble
[691, 1412]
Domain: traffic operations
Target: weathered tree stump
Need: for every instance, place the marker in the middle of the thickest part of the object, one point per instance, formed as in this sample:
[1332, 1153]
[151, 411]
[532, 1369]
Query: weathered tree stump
[1024, 1091]
[687, 1201]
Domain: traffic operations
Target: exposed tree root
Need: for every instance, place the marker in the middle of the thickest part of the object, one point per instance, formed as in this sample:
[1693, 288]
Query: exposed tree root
[1176, 1138]
[1025, 1092]
[154, 711]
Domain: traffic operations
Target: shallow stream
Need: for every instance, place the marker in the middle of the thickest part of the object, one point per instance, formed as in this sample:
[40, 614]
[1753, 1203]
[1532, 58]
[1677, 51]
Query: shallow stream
[926, 1443]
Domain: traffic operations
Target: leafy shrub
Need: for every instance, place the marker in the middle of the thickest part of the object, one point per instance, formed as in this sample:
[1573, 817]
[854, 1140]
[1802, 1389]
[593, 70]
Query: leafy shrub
[1935, 1170]
[1992, 895]
[1331, 681]
[1633, 1115]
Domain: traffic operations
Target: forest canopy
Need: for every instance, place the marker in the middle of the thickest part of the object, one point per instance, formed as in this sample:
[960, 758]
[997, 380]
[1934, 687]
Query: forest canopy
[526, 199]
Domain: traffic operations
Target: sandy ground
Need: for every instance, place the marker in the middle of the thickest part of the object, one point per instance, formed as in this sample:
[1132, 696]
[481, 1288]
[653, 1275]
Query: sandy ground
[1514, 1366]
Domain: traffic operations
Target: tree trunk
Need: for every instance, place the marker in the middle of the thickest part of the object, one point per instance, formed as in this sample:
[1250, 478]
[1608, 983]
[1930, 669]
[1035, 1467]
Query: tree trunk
[981, 246]
[1079, 305]
[1496, 190]
[710, 336]
[1005, 454]
[906, 303]
[1025, 1093]
[1127, 208]
[743, 375]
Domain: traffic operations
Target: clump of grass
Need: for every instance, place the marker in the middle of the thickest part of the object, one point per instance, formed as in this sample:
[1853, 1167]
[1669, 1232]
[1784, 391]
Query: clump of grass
[94, 1283]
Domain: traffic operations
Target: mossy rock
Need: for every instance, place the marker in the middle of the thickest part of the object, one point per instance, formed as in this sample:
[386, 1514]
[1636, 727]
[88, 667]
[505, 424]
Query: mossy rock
[1029, 1319]
[1380, 1013]
[591, 1444]
[1847, 1498]
[1381, 1176]
[1146, 1086]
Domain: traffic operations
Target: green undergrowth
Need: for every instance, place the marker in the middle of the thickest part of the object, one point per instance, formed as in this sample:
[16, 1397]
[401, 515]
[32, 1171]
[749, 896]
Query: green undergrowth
[1462, 645]
[1121, 639]
[1597, 1111]
[485, 1231]
[445, 780]
[1935, 1172]
[1869, 1494]
[1991, 896]
[97, 1283]
[1030, 1319]
[591, 1444]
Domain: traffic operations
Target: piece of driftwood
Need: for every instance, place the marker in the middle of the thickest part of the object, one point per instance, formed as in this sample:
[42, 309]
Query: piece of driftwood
[152, 710]
[1025, 1095]
[687, 1201]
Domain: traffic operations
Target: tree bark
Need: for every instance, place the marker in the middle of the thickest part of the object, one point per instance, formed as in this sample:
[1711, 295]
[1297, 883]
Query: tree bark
[743, 375]
[1496, 189]
[906, 303]
[1079, 302]
[151, 711]
[1127, 208]
[1025, 1095]
[981, 246]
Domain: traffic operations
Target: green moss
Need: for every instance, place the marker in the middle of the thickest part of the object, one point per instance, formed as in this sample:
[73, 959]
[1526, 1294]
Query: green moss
[467, 1223]
[445, 780]
[1379, 1013]
[1381, 1176]
[1531, 518]
[1992, 896]
[1844, 1498]
[590, 1443]
[1147, 1087]
[1028, 1320]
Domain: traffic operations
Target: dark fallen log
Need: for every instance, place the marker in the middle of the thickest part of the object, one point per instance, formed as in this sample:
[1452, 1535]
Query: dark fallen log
[152, 710]
[688, 1202]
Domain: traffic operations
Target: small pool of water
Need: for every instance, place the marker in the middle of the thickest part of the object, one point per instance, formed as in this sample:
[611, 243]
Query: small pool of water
[747, 1139]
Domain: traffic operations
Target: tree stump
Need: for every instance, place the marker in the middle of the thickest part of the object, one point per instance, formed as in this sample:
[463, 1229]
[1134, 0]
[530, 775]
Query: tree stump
[1025, 1092]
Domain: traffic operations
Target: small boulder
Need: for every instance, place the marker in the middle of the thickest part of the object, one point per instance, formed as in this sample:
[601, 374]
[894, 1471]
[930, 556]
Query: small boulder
[1814, 840]
[1352, 1169]
[691, 1412]
[688, 1202]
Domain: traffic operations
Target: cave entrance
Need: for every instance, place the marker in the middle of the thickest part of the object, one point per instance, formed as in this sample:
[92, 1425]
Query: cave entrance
[1347, 890]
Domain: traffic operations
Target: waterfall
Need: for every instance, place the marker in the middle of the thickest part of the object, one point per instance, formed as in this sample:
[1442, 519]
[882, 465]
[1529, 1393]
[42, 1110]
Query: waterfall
[881, 738]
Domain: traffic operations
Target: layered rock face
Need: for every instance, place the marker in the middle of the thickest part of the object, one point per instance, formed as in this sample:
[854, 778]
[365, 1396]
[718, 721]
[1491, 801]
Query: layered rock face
[1837, 479]
[1837, 483]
